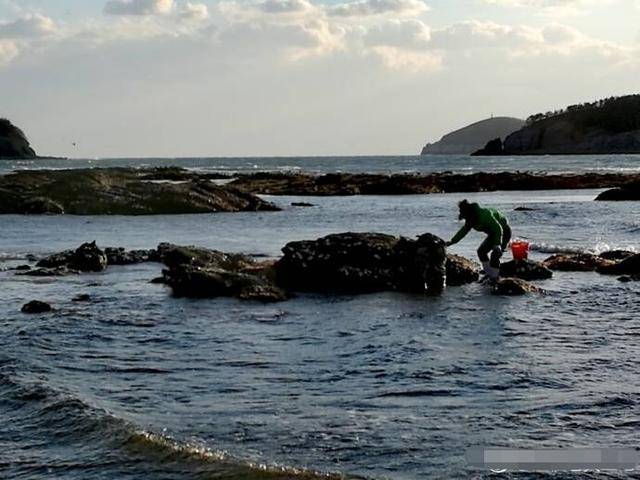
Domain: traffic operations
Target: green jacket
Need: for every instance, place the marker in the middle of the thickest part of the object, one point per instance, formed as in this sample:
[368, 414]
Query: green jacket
[487, 220]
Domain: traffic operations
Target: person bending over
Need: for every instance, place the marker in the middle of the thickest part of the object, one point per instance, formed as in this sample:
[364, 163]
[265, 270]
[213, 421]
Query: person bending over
[491, 222]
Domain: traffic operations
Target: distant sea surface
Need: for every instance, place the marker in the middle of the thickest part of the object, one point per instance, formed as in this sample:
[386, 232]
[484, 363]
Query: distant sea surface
[380, 164]
[138, 385]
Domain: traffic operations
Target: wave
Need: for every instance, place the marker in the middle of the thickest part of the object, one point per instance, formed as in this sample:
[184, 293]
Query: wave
[92, 435]
[597, 249]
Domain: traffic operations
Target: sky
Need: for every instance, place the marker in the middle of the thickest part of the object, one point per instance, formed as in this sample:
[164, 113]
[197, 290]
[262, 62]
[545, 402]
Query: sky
[205, 78]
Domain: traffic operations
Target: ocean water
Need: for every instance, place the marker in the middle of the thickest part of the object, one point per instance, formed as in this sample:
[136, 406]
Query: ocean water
[136, 384]
[380, 164]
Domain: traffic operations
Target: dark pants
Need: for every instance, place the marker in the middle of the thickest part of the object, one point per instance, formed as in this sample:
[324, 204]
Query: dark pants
[488, 246]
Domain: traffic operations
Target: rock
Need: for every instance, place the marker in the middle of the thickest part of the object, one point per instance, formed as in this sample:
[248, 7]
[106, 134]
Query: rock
[302, 204]
[13, 142]
[581, 262]
[86, 258]
[616, 254]
[22, 268]
[120, 256]
[41, 206]
[157, 280]
[525, 270]
[629, 278]
[363, 262]
[36, 306]
[84, 297]
[513, 286]
[628, 266]
[524, 209]
[492, 148]
[630, 192]
[177, 255]
[119, 191]
[209, 282]
[461, 271]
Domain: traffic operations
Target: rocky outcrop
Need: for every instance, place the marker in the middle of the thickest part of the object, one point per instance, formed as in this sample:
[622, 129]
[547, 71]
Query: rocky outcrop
[492, 148]
[628, 266]
[120, 256]
[617, 254]
[513, 286]
[13, 142]
[629, 192]
[36, 306]
[406, 184]
[525, 270]
[119, 191]
[364, 262]
[581, 262]
[472, 137]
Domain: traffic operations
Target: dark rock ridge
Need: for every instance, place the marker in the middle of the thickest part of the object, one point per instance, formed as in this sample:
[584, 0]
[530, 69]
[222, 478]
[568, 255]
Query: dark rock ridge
[581, 262]
[628, 192]
[472, 137]
[604, 127]
[13, 142]
[628, 266]
[119, 191]
[405, 184]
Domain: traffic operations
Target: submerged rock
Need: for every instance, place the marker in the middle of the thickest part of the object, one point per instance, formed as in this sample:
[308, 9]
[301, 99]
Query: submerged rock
[617, 254]
[86, 258]
[364, 262]
[177, 255]
[36, 306]
[513, 286]
[580, 262]
[60, 271]
[525, 270]
[629, 278]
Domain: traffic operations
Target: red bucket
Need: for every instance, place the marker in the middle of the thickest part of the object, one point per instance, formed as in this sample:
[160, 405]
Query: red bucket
[520, 250]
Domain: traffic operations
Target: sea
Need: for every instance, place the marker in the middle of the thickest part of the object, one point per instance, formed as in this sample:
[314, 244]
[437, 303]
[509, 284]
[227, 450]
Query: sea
[137, 384]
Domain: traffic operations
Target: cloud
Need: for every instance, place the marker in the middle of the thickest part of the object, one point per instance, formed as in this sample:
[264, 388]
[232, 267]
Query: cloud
[138, 7]
[364, 8]
[407, 34]
[285, 6]
[553, 7]
[28, 26]
[193, 12]
[8, 51]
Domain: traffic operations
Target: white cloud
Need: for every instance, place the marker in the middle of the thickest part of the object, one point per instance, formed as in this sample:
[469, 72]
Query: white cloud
[193, 12]
[28, 26]
[138, 7]
[285, 6]
[407, 34]
[8, 51]
[364, 8]
[553, 7]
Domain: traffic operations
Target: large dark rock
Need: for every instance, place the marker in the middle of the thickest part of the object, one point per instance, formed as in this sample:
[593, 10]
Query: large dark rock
[36, 306]
[177, 255]
[525, 270]
[86, 258]
[13, 142]
[364, 262]
[616, 254]
[628, 192]
[580, 262]
[628, 266]
[513, 286]
[461, 271]
[118, 191]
